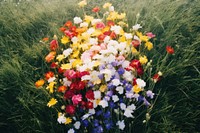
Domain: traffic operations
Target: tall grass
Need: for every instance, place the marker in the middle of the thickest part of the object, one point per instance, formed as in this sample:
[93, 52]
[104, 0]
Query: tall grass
[22, 26]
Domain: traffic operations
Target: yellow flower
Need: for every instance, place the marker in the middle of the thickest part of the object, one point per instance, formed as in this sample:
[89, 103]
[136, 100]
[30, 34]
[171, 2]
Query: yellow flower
[107, 5]
[103, 88]
[134, 50]
[82, 3]
[121, 16]
[142, 37]
[66, 66]
[136, 89]
[96, 63]
[122, 39]
[52, 102]
[112, 16]
[65, 40]
[51, 86]
[149, 45]
[107, 28]
[143, 60]
[68, 120]
[75, 54]
[77, 62]
[88, 19]
[60, 57]
[97, 101]
[121, 23]
[96, 33]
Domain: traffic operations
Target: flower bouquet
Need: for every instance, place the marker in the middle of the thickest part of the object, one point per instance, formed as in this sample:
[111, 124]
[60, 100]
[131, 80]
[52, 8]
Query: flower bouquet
[99, 73]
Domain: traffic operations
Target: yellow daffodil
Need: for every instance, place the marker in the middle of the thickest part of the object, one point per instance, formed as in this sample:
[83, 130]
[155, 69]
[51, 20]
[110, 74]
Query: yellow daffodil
[52, 102]
[134, 50]
[65, 40]
[149, 45]
[136, 89]
[143, 59]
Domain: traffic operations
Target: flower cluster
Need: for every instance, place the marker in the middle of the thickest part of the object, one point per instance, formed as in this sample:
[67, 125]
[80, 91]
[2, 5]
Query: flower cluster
[96, 71]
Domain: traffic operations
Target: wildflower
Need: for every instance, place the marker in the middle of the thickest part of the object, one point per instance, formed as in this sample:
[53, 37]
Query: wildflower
[90, 95]
[49, 75]
[136, 27]
[71, 130]
[121, 124]
[149, 45]
[82, 3]
[77, 20]
[68, 120]
[70, 109]
[45, 39]
[61, 119]
[77, 125]
[39, 83]
[169, 50]
[96, 9]
[143, 59]
[50, 56]
[136, 89]
[62, 88]
[76, 99]
[52, 102]
[103, 103]
[150, 94]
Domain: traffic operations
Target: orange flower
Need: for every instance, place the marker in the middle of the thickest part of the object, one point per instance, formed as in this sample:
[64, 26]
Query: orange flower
[39, 83]
[169, 50]
[50, 56]
[62, 88]
[62, 29]
[96, 9]
[45, 39]
[49, 74]
[68, 24]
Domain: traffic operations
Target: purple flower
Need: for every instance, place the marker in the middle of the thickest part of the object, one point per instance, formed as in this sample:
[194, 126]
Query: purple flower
[112, 105]
[110, 85]
[106, 115]
[121, 71]
[108, 124]
[99, 112]
[98, 129]
[100, 76]
[109, 93]
[150, 94]
[128, 87]
[114, 64]
[146, 102]
[85, 123]
[96, 123]
[101, 67]
[124, 82]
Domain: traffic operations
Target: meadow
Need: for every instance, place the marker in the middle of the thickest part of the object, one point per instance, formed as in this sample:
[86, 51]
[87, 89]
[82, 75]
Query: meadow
[24, 23]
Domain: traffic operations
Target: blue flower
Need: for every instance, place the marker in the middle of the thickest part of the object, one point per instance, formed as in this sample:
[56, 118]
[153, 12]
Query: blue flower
[112, 105]
[115, 63]
[100, 76]
[107, 114]
[85, 123]
[96, 123]
[128, 87]
[98, 129]
[110, 85]
[121, 71]
[108, 124]
[99, 112]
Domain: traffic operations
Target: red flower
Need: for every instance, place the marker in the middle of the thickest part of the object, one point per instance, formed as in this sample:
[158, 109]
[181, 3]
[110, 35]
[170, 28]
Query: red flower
[73, 28]
[70, 74]
[81, 85]
[74, 85]
[90, 95]
[53, 45]
[101, 37]
[68, 94]
[156, 77]
[169, 50]
[89, 105]
[53, 65]
[113, 35]
[62, 29]
[60, 70]
[140, 71]
[135, 64]
[134, 81]
[96, 9]
[110, 23]
[70, 109]
[135, 43]
[49, 74]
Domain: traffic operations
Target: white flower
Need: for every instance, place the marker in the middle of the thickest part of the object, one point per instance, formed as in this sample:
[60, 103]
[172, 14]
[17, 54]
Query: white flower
[129, 94]
[67, 52]
[94, 21]
[77, 20]
[121, 124]
[107, 74]
[77, 125]
[131, 107]
[71, 130]
[74, 40]
[51, 79]
[128, 35]
[90, 31]
[103, 103]
[128, 112]
[150, 94]
[66, 82]
[85, 116]
[86, 77]
[128, 76]
[106, 39]
[61, 119]
[97, 94]
[136, 38]
[122, 106]
[116, 29]
[84, 24]
[91, 111]
[120, 89]
[125, 64]
[137, 26]
[115, 98]
[111, 8]
[93, 41]
[136, 96]
[140, 83]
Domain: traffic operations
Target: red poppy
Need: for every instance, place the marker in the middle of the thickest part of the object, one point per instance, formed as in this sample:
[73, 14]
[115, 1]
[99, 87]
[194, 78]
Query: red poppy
[96, 9]
[169, 50]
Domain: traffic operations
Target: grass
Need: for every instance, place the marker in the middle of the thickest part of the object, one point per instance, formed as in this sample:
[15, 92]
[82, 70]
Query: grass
[175, 22]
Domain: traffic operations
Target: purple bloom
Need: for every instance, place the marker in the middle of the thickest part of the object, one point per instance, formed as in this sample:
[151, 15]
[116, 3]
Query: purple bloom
[100, 76]
[109, 93]
[110, 85]
[112, 105]
[124, 82]
[114, 64]
[150, 94]
[108, 124]
[121, 71]
[106, 115]
[98, 129]
[120, 100]
[107, 98]
[146, 102]
[96, 123]
[98, 113]
[101, 67]
[128, 87]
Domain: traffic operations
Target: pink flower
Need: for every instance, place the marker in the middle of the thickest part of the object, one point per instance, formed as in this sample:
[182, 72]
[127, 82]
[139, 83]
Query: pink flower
[76, 99]
[100, 25]
[70, 74]
[150, 35]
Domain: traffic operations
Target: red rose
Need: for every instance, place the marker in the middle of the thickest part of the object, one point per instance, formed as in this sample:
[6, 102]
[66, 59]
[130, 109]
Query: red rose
[70, 109]
[53, 45]
[90, 95]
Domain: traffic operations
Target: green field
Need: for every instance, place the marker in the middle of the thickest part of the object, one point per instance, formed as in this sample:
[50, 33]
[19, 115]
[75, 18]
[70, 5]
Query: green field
[24, 23]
